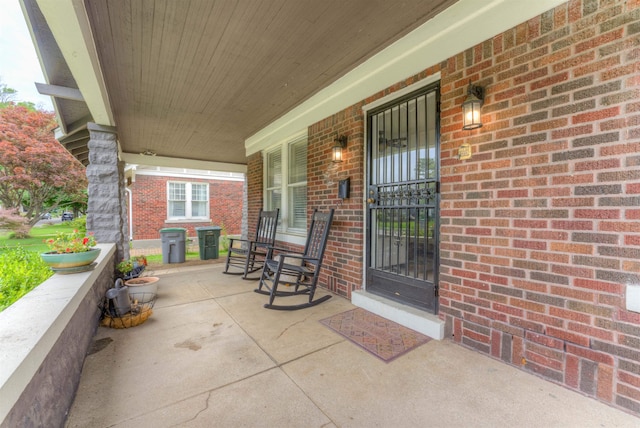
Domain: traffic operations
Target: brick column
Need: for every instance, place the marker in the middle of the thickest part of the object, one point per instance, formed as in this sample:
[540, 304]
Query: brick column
[107, 210]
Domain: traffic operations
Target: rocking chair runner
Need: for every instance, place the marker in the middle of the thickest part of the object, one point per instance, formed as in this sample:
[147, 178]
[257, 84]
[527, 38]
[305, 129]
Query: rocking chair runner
[250, 255]
[299, 270]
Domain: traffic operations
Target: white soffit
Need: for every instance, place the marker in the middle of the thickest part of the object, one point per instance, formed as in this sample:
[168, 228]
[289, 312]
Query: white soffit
[135, 159]
[68, 22]
[461, 26]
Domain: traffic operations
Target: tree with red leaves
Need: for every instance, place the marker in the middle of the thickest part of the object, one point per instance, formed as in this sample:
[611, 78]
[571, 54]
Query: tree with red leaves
[34, 167]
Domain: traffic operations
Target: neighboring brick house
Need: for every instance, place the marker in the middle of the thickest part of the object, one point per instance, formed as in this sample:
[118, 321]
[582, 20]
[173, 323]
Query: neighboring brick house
[538, 236]
[168, 197]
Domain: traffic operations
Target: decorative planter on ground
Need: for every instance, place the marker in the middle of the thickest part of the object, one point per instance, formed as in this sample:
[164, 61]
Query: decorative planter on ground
[143, 289]
[123, 310]
[71, 262]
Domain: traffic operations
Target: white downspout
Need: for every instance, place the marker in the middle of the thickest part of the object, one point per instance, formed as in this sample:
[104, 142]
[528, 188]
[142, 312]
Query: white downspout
[130, 213]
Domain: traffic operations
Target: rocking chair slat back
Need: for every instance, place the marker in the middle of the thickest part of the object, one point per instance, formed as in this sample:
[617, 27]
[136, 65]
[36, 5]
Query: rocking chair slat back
[266, 229]
[318, 233]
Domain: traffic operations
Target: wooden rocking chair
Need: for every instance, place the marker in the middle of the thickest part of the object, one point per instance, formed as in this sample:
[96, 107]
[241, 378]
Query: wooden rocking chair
[298, 270]
[248, 255]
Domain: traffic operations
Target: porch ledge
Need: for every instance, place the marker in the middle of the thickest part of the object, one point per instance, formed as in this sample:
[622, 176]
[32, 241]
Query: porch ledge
[422, 322]
[32, 326]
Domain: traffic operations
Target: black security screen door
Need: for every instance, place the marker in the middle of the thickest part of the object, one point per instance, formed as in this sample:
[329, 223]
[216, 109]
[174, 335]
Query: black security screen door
[403, 197]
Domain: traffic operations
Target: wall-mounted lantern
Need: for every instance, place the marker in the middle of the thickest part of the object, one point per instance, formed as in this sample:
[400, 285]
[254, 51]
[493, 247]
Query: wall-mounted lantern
[340, 144]
[471, 107]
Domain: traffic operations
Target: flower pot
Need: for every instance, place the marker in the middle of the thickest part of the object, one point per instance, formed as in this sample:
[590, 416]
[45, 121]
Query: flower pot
[143, 289]
[71, 262]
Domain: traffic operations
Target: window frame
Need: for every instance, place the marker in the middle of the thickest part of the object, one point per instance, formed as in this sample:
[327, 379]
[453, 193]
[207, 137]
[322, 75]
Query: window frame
[188, 189]
[286, 232]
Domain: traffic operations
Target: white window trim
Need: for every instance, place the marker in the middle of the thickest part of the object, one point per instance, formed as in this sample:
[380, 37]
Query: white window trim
[188, 206]
[285, 234]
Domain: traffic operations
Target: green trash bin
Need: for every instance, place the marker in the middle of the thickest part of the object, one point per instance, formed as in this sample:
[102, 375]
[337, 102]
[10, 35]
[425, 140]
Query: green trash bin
[173, 244]
[208, 238]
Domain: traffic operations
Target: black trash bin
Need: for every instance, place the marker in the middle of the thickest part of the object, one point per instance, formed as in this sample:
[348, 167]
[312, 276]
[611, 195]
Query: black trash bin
[173, 244]
[208, 238]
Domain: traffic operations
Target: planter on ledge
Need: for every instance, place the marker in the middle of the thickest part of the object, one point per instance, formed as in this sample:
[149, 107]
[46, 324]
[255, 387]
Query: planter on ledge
[71, 262]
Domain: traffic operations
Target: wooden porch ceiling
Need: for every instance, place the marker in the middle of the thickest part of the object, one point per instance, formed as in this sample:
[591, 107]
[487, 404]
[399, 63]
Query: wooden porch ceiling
[194, 78]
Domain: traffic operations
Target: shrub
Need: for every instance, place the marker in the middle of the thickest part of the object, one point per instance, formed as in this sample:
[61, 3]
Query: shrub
[79, 223]
[21, 272]
[224, 238]
[17, 224]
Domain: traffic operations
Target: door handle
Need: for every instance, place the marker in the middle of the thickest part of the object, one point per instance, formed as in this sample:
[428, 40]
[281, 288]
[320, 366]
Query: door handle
[370, 201]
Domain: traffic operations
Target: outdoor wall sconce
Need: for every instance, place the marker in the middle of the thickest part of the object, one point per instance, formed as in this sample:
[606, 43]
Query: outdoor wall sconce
[471, 107]
[340, 143]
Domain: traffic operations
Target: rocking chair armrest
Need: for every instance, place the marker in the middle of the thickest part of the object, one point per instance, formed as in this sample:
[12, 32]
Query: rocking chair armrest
[280, 250]
[232, 240]
[292, 256]
[251, 242]
[287, 259]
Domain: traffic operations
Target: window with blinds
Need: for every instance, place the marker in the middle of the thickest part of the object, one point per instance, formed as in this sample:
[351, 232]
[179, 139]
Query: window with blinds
[187, 200]
[274, 181]
[286, 185]
[297, 184]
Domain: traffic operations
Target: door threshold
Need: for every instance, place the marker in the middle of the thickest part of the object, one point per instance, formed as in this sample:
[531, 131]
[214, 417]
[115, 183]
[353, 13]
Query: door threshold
[407, 316]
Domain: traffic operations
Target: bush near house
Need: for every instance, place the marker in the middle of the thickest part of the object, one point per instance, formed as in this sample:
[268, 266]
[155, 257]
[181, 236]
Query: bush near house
[21, 272]
[21, 268]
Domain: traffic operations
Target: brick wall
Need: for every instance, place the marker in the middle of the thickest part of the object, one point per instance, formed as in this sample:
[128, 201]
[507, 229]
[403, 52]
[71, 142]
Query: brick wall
[539, 233]
[540, 228]
[254, 191]
[342, 265]
[149, 201]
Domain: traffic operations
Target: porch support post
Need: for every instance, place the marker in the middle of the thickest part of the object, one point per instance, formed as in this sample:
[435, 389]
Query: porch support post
[244, 227]
[107, 209]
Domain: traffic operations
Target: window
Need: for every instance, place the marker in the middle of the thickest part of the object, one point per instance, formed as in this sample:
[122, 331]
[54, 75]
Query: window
[274, 181]
[187, 200]
[286, 185]
[297, 186]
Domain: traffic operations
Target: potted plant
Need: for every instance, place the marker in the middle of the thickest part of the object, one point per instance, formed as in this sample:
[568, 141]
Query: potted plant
[71, 252]
[125, 267]
[132, 268]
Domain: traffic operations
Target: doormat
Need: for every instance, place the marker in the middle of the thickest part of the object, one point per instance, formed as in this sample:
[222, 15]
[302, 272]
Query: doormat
[381, 337]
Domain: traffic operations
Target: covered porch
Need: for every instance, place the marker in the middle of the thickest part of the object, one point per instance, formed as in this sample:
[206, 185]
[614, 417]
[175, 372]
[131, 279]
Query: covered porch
[211, 355]
[536, 258]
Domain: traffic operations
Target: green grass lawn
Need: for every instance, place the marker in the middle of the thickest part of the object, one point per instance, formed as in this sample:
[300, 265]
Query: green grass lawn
[17, 277]
[157, 258]
[40, 233]
[36, 241]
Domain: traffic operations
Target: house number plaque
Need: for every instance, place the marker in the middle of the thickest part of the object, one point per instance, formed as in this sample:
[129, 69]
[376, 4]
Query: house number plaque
[464, 152]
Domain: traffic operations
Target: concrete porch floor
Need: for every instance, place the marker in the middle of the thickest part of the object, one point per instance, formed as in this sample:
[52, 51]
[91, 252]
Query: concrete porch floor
[211, 355]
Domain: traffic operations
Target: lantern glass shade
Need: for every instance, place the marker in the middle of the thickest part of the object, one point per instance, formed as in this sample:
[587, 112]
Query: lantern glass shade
[471, 113]
[337, 153]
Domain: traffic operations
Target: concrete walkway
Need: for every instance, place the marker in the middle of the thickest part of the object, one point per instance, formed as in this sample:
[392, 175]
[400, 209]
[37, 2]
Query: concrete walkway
[212, 356]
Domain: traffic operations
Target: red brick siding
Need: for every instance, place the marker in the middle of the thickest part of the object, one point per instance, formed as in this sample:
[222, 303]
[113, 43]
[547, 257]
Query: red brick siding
[149, 202]
[254, 191]
[539, 232]
[539, 238]
[343, 257]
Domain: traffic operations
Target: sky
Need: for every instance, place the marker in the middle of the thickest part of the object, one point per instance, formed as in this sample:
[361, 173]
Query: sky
[19, 65]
